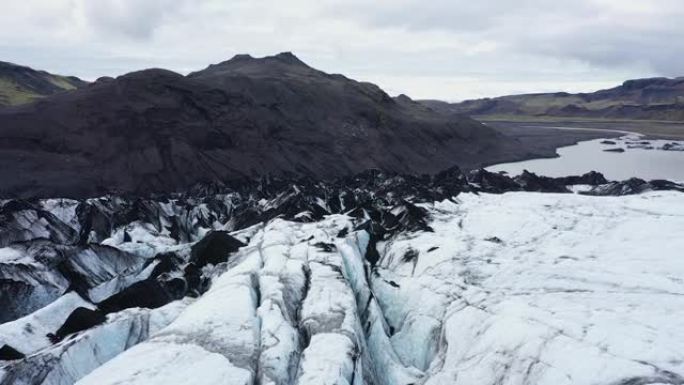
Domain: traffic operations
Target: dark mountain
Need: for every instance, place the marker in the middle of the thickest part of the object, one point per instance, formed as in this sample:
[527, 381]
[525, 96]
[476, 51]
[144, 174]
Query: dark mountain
[159, 131]
[19, 85]
[649, 99]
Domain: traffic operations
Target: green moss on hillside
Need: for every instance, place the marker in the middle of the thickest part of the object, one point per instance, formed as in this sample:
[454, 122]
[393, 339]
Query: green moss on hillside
[13, 94]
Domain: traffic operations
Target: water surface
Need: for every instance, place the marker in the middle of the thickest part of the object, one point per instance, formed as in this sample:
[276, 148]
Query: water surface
[648, 164]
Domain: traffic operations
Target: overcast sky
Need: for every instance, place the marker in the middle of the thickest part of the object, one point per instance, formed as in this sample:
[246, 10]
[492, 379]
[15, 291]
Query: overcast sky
[443, 49]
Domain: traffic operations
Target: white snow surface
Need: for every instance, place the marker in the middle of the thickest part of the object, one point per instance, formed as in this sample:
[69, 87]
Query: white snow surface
[541, 289]
[29, 334]
[76, 356]
[513, 289]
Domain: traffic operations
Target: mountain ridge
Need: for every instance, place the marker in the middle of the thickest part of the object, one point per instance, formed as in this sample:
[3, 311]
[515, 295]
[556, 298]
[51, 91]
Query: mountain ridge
[656, 98]
[159, 131]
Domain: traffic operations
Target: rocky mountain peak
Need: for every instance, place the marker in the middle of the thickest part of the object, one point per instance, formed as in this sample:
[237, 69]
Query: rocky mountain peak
[289, 58]
[283, 63]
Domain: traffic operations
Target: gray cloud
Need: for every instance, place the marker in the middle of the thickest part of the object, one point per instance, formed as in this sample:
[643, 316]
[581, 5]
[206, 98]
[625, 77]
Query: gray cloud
[449, 49]
[604, 33]
[131, 18]
[455, 15]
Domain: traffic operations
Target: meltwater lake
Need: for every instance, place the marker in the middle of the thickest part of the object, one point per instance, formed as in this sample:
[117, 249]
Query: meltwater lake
[629, 156]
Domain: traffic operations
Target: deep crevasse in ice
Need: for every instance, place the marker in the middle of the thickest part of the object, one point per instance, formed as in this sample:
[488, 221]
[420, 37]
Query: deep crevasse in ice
[283, 312]
[519, 288]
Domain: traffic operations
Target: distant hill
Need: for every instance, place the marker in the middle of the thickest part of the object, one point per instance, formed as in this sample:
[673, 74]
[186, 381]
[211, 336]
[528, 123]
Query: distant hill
[159, 131]
[648, 99]
[19, 84]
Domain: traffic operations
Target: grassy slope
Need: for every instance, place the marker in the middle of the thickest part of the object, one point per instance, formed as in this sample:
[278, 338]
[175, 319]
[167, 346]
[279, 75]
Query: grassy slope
[13, 93]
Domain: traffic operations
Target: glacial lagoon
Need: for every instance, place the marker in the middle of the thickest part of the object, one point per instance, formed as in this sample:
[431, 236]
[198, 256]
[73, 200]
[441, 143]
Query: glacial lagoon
[629, 156]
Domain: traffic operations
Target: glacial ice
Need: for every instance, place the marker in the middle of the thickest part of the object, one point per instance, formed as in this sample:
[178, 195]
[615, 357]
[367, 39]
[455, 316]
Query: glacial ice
[71, 359]
[517, 288]
[29, 333]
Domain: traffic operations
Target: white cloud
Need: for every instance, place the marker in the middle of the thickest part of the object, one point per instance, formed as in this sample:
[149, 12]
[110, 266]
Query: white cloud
[449, 49]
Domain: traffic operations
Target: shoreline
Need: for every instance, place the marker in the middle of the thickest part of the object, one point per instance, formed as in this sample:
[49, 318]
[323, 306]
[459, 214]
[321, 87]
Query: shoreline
[543, 141]
[649, 129]
[546, 140]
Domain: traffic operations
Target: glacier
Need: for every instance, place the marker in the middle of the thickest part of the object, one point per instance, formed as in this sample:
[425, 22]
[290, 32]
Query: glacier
[466, 287]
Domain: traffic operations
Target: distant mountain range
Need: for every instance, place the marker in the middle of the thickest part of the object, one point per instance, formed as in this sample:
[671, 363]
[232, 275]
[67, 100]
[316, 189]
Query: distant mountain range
[648, 99]
[19, 84]
[159, 131]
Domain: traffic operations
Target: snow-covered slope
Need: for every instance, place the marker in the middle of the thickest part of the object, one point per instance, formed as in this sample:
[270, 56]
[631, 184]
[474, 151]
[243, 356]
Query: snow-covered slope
[386, 286]
[527, 288]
